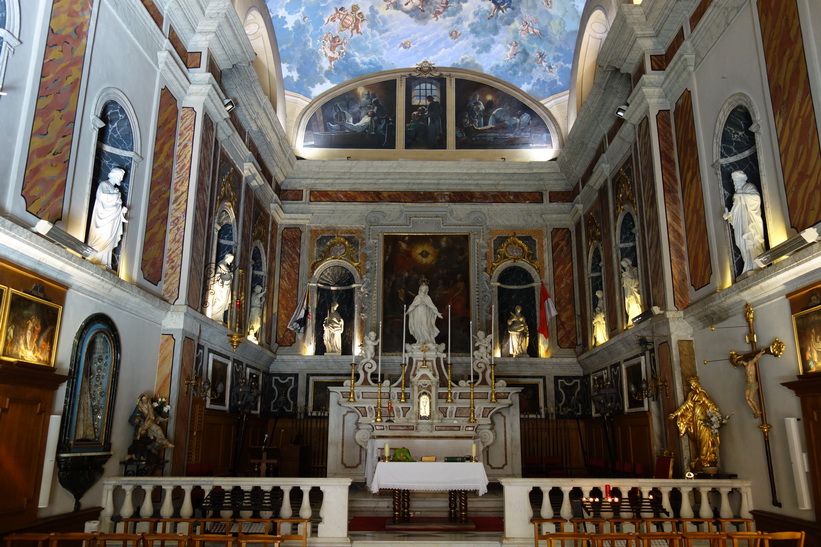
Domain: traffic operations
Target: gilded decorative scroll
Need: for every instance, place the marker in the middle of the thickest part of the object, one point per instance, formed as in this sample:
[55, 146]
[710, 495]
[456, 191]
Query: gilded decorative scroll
[340, 248]
[515, 249]
[624, 192]
[593, 229]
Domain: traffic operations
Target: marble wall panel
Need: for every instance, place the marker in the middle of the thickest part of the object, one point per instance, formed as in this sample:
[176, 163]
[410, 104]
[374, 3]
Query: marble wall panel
[698, 13]
[611, 293]
[698, 246]
[673, 212]
[330, 196]
[660, 62]
[564, 297]
[198, 242]
[181, 408]
[288, 298]
[649, 215]
[292, 195]
[795, 118]
[581, 282]
[165, 364]
[272, 268]
[156, 223]
[179, 204]
[52, 132]
[245, 229]
[154, 12]
[561, 197]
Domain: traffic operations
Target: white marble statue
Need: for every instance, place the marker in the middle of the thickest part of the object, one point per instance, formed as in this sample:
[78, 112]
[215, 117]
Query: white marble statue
[255, 312]
[630, 286]
[745, 217]
[219, 291]
[482, 352]
[332, 335]
[599, 322]
[369, 346]
[107, 219]
[422, 315]
[518, 333]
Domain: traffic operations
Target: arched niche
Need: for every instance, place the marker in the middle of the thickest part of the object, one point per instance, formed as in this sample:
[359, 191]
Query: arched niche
[335, 282]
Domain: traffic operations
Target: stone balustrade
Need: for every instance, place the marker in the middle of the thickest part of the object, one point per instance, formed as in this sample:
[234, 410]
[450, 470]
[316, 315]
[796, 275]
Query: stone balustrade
[125, 496]
[727, 498]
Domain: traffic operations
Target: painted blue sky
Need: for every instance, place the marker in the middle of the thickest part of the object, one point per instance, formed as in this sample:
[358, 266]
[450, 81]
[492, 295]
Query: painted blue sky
[528, 43]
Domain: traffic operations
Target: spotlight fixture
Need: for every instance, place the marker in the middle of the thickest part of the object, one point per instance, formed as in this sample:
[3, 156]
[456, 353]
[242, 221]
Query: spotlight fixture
[52, 232]
[622, 111]
[785, 249]
[646, 314]
[229, 105]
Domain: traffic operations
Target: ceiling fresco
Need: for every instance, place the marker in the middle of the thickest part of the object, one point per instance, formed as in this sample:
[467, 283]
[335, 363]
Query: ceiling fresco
[528, 43]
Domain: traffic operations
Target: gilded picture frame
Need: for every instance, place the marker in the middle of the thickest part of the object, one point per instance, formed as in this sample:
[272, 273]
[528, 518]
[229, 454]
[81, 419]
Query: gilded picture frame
[253, 377]
[319, 397]
[598, 380]
[30, 328]
[807, 332]
[532, 397]
[219, 374]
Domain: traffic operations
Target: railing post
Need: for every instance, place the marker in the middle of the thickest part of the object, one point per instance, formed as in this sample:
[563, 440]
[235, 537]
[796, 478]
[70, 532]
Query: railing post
[285, 512]
[305, 508]
[127, 510]
[726, 509]
[705, 511]
[566, 511]
[108, 507]
[147, 508]
[518, 511]
[686, 511]
[334, 512]
[187, 508]
[167, 509]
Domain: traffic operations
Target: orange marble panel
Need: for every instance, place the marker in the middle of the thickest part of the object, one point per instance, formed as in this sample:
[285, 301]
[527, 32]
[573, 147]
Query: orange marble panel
[165, 364]
[698, 246]
[204, 179]
[330, 196]
[289, 298]
[698, 13]
[564, 297]
[649, 214]
[52, 132]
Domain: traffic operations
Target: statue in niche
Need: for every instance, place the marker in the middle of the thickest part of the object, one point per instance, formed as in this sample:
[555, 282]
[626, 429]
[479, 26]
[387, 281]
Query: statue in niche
[219, 293]
[422, 315]
[255, 312]
[369, 346]
[745, 217]
[630, 286]
[599, 323]
[333, 325]
[482, 352]
[518, 333]
[107, 219]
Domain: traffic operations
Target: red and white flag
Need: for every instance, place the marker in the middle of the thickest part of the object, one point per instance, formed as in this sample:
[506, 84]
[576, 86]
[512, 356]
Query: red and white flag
[546, 311]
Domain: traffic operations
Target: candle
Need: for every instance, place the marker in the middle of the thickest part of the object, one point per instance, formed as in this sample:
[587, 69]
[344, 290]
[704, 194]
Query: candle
[470, 333]
[606, 490]
[404, 316]
[387, 452]
[379, 372]
[492, 330]
[473, 451]
[449, 351]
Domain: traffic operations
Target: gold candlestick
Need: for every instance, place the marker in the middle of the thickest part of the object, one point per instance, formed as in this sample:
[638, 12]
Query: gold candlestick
[472, 419]
[450, 388]
[493, 382]
[402, 393]
[352, 396]
[378, 403]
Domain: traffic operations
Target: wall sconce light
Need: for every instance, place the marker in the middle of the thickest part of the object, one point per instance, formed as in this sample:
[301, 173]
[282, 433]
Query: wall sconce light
[229, 105]
[61, 237]
[649, 389]
[785, 249]
[622, 111]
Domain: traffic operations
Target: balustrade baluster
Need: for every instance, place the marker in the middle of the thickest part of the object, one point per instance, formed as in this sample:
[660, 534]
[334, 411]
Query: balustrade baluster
[187, 508]
[744, 511]
[108, 508]
[705, 511]
[147, 507]
[686, 511]
[305, 509]
[566, 512]
[127, 510]
[726, 509]
[167, 509]
[286, 511]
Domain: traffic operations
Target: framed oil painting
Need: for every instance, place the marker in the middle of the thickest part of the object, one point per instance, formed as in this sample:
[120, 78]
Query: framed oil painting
[634, 378]
[443, 262]
[219, 374]
[30, 328]
[91, 389]
[362, 118]
[319, 399]
[807, 330]
[253, 378]
[598, 380]
[532, 396]
[425, 113]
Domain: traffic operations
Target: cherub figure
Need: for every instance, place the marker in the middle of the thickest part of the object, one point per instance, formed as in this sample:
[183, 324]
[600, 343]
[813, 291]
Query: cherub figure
[499, 6]
[441, 9]
[454, 34]
[337, 15]
[389, 3]
[482, 352]
[514, 49]
[333, 48]
[369, 346]
[419, 4]
[405, 44]
[529, 27]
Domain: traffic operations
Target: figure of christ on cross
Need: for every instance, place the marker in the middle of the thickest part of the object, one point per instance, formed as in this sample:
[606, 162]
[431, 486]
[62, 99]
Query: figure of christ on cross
[750, 363]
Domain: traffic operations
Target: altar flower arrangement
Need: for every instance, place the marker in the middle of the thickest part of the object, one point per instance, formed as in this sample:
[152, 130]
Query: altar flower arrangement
[161, 407]
[715, 421]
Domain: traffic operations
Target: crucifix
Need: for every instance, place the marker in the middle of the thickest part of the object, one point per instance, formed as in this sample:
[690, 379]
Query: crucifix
[753, 390]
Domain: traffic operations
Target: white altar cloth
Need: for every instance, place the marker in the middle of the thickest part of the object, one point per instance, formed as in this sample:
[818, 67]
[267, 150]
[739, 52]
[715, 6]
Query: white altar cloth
[431, 476]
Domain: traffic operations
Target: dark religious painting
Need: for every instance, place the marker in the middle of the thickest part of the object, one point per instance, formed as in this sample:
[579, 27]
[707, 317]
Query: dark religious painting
[488, 118]
[425, 107]
[364, 117]
[30, 328]
[319, 398]
[531, 398]
[807, 328]
[443, 261]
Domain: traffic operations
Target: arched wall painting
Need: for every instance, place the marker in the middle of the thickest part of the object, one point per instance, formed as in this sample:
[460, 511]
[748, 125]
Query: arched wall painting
[425, 114]
[363, 118]
[488, 118]
[444, 261]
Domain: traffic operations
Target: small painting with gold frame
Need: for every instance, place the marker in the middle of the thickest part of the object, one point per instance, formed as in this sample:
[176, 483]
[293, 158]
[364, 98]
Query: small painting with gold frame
[30, 328]
[807, 330]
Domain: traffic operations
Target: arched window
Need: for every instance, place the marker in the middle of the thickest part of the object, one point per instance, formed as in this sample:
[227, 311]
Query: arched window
[423, 89]
[9, 32]
[335, 294]
[739, 152]
[597, 304]
[516, 304]
[629, 265]
[115, 148]
[256, 299]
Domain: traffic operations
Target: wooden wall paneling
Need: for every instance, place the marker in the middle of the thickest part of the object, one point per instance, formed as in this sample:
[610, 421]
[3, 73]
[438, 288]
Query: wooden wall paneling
[220, 433]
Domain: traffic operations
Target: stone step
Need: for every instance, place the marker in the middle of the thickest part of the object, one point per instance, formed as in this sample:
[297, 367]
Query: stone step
[362, 502]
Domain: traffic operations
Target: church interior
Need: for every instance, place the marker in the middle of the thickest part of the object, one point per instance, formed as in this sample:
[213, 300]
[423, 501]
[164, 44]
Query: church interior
[561, 243]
